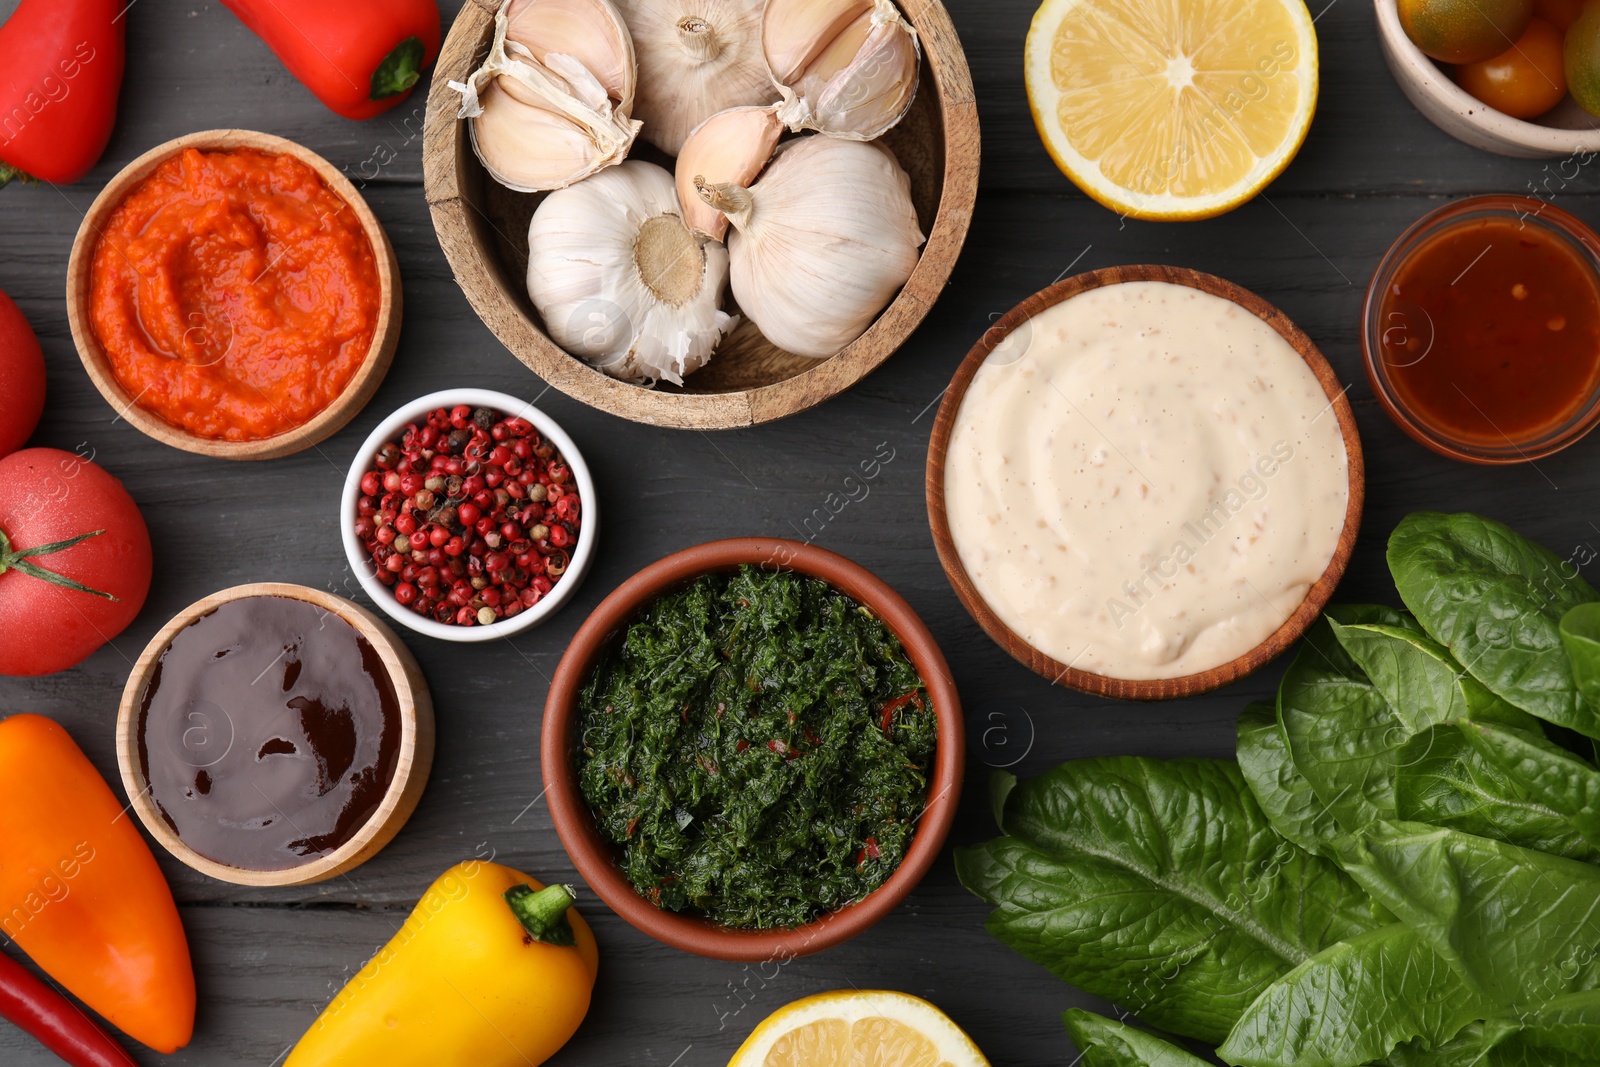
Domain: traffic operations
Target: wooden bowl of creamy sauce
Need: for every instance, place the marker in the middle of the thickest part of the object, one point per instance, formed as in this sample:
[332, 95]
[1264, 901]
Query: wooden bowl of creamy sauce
[1145, 482]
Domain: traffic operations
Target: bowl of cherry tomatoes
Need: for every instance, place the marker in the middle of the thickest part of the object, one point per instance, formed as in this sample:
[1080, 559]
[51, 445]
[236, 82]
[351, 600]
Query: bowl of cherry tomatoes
[1516, 77]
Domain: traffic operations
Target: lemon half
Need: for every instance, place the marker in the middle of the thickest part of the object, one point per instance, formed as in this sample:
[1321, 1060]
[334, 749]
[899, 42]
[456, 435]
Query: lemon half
[853, 1028]
[1172, 109]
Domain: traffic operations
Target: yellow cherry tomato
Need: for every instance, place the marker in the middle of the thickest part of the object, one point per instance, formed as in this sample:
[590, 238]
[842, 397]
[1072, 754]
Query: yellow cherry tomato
[1524, 81]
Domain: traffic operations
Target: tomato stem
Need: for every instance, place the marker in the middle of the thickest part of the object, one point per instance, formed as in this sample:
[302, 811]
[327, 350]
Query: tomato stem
[544, 913]
[19, 561]
[399, 70]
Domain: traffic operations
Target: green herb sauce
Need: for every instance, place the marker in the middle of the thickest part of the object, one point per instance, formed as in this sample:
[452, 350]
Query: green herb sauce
[735, 749]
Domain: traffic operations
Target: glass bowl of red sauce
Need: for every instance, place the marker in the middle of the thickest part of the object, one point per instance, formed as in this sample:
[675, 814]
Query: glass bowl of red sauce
[1482, 330]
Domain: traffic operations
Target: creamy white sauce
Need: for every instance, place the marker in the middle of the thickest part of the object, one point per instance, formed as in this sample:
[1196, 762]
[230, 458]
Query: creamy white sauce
[1145, 481]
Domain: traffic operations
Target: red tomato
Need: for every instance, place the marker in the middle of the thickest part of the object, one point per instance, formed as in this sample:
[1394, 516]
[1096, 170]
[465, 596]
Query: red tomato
[1525, 80]
[21, 378]
[1559, 13]
[48, 497]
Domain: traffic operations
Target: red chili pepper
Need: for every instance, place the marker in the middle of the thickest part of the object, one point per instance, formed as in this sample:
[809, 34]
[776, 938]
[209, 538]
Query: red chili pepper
[59, 83]
[896, 704]
[360, 57]
[57, 1023]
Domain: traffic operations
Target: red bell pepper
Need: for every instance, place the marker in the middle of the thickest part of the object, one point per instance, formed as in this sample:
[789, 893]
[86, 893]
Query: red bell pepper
[58, 1024]
[60, 76]
[360, 57]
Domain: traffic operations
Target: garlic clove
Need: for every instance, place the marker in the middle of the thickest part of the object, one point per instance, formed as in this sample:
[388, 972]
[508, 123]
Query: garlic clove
[821, 243]
[621, 282]
[590, 31]
[541, 118]
[795, 32]
[732, 147]
[696, 58]
[501, 134]
[857, 83]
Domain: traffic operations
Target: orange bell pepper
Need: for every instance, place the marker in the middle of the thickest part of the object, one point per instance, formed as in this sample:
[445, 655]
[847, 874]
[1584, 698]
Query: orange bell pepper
[80, 892]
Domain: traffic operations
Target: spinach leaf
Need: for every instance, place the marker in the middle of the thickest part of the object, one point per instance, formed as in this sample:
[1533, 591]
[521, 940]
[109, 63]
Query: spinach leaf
[1105, 1042]
[1443, 779]
[1580, 635]
[1565, 1032]
[1521, 926]
[1496, 600]
[1354, 1003]
[1341, 732]
[1549, 774]
[1291, 805]
[1161, 885]
[1344, 728]
[1414, 673]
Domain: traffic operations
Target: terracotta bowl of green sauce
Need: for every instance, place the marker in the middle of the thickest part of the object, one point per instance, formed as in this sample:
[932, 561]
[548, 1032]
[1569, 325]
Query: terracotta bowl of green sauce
[753, 750]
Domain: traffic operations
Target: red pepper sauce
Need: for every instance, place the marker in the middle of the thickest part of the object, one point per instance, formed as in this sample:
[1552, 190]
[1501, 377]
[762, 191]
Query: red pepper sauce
[1507, 348]
[235, 294]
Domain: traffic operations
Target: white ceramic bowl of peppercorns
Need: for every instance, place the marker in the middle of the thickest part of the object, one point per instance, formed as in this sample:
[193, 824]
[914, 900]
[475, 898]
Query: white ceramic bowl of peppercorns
[469, 515]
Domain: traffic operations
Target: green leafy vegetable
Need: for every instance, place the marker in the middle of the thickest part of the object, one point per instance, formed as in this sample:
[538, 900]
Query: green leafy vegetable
[1105, 1042]
[1496, 600]
[1444, 780]
[1288, 800]
[759, 746]
[1580, 636]
[1521, 926]
[1552, 776]
[1343, 733]
[1161, 885]
[1354, 1003]
[1565, 1032]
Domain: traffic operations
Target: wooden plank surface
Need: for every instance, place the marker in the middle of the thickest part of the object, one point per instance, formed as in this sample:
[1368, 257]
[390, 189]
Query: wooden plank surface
[267, 960]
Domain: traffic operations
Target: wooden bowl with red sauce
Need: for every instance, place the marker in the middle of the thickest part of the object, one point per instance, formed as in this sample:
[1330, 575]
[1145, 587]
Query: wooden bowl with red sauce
[283, 432]
[1481, 331]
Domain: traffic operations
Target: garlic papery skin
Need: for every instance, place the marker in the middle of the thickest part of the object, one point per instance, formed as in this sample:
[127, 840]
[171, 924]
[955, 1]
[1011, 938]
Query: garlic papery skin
[696, 58]
[822, 243]
[729, 148]
[542, 118]
[620, 280]
[847, 68]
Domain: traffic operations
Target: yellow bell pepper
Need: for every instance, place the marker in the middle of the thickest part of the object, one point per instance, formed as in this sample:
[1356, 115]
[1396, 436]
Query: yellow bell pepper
[491, 970]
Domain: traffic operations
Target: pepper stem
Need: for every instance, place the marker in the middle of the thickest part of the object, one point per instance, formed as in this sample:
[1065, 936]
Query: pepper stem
[9, 174]
[544, 913]
[399, 70]
[12, 560]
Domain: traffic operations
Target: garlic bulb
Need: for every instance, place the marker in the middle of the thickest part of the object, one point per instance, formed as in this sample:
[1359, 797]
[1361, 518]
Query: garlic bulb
[731, 147]
[696, 58]
[622, 282]
[550, 105]
[848, 68]
[821, 243]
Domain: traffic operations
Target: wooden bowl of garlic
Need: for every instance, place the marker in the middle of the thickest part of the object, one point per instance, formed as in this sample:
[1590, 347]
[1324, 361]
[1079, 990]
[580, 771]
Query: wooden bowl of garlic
[703, 215]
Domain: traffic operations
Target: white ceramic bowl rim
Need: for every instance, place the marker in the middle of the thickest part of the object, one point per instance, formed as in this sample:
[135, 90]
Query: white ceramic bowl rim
[389, 430]
[1555, 140]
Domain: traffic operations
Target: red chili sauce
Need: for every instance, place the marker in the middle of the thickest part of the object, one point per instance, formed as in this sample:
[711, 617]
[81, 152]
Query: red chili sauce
[235, 294]
[1491, 331]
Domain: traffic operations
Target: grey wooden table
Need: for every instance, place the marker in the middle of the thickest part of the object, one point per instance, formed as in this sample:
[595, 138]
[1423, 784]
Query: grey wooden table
[267, 961]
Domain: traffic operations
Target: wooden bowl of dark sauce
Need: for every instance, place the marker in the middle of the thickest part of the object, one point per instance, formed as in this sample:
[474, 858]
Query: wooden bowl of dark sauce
[274, 735]
[1481, 330]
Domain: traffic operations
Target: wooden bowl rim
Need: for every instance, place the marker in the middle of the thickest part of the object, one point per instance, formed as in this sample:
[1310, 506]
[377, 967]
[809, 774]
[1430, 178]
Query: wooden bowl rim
[443, 136]
[594, 858]
[412, 767]
[583, 553]
[1317, 596]
[1417, 67]
[356, 394]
